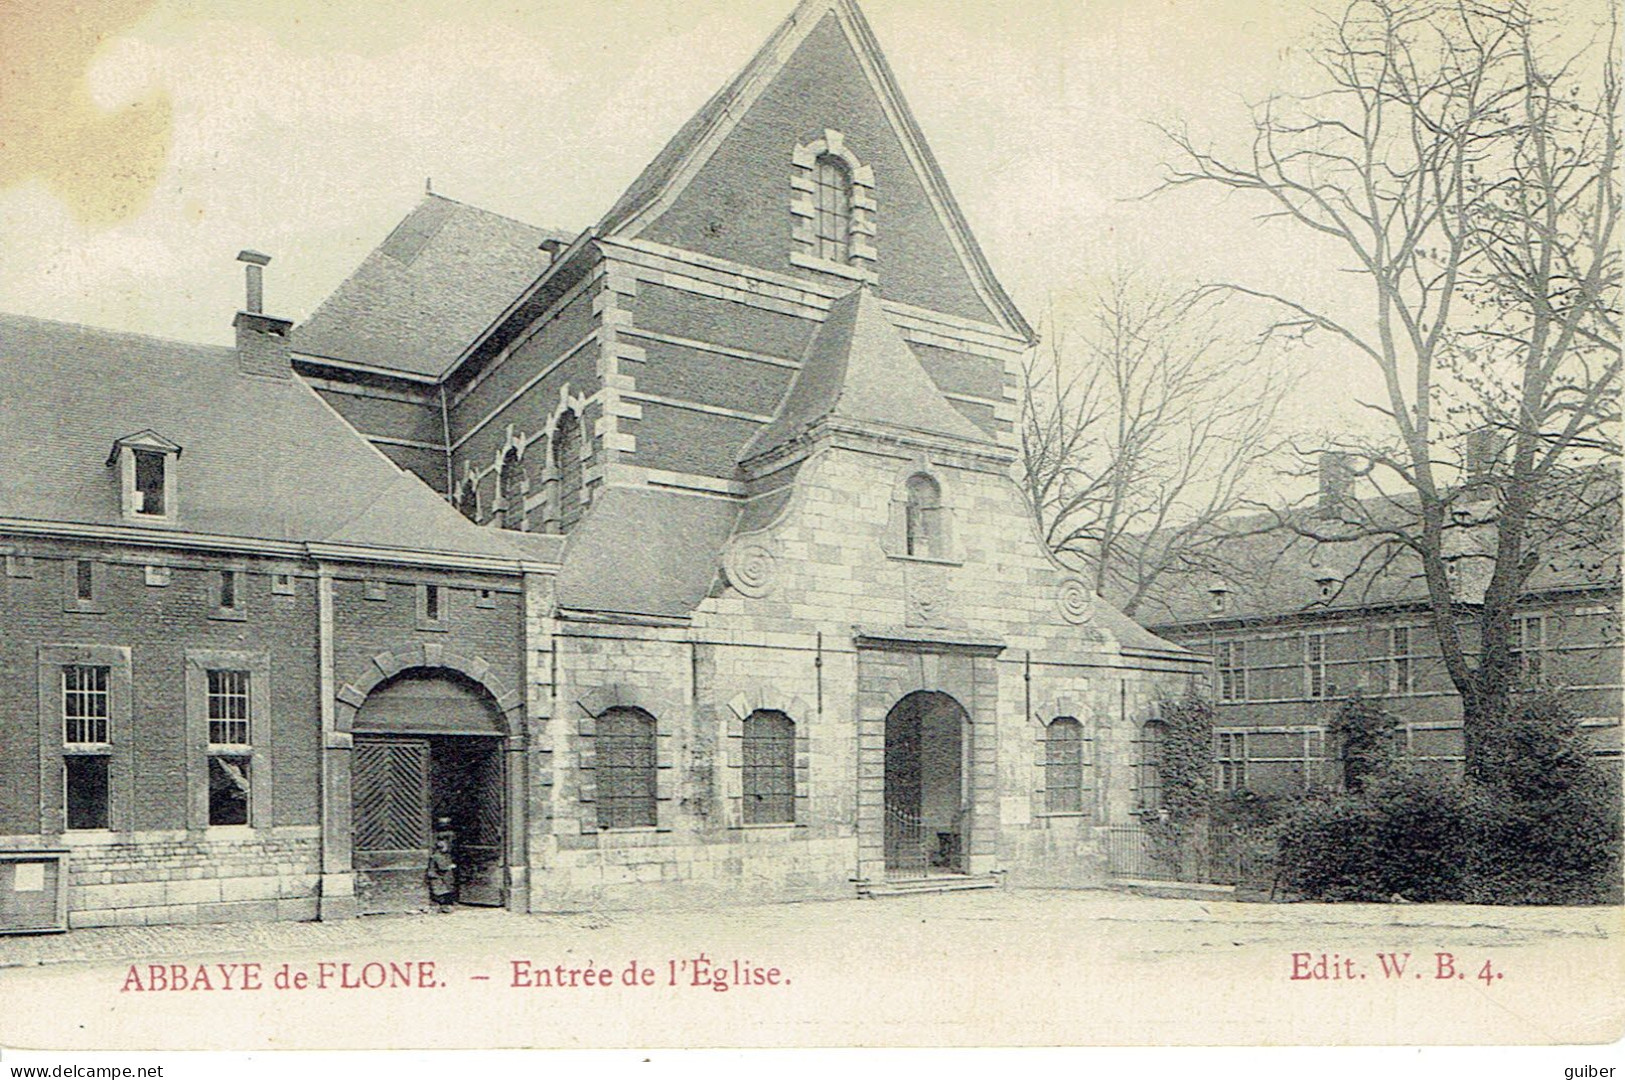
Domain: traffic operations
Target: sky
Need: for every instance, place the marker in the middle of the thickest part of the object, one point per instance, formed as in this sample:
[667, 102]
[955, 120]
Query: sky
[146, 141]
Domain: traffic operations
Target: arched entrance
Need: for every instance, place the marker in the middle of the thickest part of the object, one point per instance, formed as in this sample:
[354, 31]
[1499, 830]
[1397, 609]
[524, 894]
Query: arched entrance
[428, 748]
[927, 798]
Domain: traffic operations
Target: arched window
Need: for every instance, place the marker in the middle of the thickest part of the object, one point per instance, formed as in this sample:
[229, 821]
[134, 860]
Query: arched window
[510, 484]
[624, 763]
[1063, 766]
[468, 501]
[834, 220]
[567, 467]
[1152, 737]
[769, 768]
[924, 524]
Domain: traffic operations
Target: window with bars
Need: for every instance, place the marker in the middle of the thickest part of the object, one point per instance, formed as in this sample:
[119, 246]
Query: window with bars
[1230, 760]
[769, 773]
[230, 747]
[833, 222]
[1529, 642]
[1314, 665]
[923, 526]
[625, 764]
[1401, 670]
[1232, 663]
[1063, 766]
[86, 726]
[1148, 767]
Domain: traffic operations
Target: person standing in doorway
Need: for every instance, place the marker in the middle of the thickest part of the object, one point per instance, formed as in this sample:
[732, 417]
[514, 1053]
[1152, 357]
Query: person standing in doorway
[442, 872]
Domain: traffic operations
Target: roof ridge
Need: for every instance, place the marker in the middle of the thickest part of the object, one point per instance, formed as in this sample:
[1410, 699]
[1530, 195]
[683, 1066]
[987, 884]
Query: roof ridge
[223, 350]
[498, 214]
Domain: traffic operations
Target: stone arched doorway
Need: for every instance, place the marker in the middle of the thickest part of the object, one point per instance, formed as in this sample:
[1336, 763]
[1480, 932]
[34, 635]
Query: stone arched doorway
[927, 790]
[428, 757]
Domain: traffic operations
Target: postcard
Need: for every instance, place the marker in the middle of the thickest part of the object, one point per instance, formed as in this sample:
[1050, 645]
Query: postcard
[823, 524]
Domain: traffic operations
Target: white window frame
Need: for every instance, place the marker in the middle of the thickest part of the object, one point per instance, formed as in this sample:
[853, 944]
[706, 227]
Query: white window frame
[1314, 665]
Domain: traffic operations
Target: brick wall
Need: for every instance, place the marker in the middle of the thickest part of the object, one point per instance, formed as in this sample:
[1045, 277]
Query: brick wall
[737, 206]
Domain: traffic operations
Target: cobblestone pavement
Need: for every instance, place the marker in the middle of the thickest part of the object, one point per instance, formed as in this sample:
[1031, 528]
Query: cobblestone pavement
[994, 968]
[1014, 907]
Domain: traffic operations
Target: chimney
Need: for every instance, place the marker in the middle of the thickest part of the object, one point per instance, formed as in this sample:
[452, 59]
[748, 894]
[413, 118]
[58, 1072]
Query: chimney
[1336, 479]
[1481, 449]
[262, 340]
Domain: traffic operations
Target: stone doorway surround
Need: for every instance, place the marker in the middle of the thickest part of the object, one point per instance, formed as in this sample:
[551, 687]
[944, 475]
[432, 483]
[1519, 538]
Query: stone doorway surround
[895, 663]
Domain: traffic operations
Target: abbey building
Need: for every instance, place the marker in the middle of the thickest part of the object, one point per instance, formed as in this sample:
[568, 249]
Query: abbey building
[674, 560]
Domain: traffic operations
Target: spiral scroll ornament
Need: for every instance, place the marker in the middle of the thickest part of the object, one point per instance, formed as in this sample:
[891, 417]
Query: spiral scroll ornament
[1077, 602]
[750, 568]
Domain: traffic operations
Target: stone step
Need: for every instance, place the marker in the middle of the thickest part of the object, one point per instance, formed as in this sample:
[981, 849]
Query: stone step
[941, 883]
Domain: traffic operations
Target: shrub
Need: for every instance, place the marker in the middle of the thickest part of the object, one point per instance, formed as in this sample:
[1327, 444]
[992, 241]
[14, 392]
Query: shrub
[1545, 830]
[1550, 833]
[1365, 734]
[1407, 834]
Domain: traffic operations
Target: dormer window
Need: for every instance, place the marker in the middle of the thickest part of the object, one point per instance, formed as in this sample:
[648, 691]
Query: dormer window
[149, 482]
[146, 465]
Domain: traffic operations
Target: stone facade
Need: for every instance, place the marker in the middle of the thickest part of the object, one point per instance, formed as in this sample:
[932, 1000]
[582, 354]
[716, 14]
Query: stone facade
[743, 601]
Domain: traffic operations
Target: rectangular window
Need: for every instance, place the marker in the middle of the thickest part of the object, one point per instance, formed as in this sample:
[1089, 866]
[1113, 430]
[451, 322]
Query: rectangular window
[1063, 766]
[86, 720]
[431, 603]
[228, 590]
[230, 751]
[1230, 761]
[1232, 661]
[149, 483]
[1529, 641]
[1314, 665]
[624, 752]
[228, 708]
[84, 583]
[1401, 673]
[86, 707]
[769, 773]
[85, 790]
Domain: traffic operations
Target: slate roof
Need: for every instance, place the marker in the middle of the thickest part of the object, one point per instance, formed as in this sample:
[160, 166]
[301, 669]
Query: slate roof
[645, 552]
[445, 273]
[1271, 572]
[858, 368]
[261, 458]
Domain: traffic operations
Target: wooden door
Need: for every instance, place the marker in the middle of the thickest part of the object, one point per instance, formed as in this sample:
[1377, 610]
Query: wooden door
[481, 864]
[390, 806]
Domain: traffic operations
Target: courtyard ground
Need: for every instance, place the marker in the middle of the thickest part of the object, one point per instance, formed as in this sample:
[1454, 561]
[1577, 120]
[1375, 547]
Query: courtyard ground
[996, 968]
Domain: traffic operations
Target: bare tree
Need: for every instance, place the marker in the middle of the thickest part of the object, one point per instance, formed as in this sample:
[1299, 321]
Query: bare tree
[1473, 183]
[1142, 423]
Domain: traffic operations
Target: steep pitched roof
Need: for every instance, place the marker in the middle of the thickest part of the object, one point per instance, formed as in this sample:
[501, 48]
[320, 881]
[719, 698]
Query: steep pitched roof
[418, 299]
[1270, 571]
[698, 139]
[859, 368]
[263, 458]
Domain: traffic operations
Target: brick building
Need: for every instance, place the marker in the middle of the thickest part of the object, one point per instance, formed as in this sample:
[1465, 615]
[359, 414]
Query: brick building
[674, 560]
[1293, 627]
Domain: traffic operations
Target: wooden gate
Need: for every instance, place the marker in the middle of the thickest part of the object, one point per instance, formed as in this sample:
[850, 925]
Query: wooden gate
[481, 865]
[390, 804]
